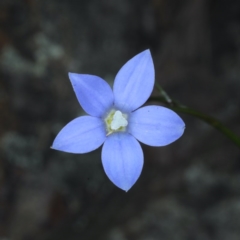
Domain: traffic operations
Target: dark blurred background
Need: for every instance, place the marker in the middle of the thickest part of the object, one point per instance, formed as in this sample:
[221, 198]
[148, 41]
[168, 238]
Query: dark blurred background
[189, 190]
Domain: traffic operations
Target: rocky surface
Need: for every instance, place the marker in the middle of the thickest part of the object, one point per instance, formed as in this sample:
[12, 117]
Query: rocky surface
[187, 190]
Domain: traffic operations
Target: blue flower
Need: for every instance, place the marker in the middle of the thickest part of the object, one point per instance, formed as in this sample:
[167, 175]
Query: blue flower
[116, 121]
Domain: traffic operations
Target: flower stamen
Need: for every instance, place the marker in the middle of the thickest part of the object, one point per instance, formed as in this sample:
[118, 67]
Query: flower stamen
[116, 121]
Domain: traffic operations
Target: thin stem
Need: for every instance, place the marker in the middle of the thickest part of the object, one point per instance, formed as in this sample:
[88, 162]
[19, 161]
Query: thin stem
[175, 106]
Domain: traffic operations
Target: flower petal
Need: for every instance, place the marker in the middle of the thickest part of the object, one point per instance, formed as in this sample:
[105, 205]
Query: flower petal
[134, 82]
[155, 125]
[122, 159]
[93, 93]
[81, 135]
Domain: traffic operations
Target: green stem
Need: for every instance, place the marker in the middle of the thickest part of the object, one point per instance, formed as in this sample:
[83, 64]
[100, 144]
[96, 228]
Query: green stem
[175, 106]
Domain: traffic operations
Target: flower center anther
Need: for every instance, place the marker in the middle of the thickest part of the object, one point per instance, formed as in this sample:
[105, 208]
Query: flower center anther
[116, 121]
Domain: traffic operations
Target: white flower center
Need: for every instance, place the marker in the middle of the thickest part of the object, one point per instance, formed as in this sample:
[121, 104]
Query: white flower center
[118, 121]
